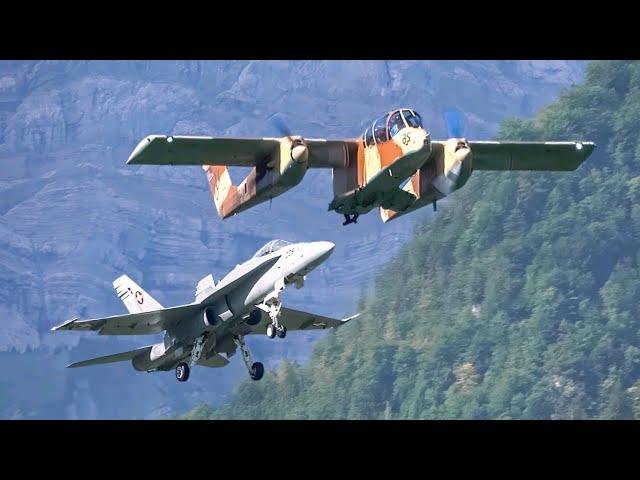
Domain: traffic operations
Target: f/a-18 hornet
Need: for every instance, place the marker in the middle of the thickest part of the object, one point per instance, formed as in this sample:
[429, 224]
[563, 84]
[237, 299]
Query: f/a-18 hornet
[245, 301]
[393, 165]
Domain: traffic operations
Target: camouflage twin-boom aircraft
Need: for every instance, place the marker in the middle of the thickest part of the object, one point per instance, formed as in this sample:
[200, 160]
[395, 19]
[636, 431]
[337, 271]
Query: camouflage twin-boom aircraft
[394, 165]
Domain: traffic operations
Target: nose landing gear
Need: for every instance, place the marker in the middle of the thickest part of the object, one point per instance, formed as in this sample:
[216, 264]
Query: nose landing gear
[272, 306]
[282, 332]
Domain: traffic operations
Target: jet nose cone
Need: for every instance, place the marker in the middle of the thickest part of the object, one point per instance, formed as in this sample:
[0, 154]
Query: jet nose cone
[325, 248]
[320, 251]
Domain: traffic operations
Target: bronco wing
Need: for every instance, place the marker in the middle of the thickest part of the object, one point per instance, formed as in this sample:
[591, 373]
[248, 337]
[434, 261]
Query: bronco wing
[233, 152]
[145, 323]
[181, 150]
[299, 320]
[552, 156]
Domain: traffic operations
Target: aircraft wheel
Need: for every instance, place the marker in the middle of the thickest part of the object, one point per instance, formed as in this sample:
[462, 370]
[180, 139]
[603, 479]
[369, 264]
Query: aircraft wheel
[182, 372]
[257, 371]
[271, 330]
[282, 332]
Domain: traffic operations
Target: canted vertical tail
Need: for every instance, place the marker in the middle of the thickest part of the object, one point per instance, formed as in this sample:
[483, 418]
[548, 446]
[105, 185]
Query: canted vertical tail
[228, 198]
[225, 194]
[134, 297]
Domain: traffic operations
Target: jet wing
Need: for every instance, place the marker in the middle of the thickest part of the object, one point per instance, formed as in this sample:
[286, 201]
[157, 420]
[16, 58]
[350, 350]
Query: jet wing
[552, 156]
[181, 150]
[145, 323]
[298, 320]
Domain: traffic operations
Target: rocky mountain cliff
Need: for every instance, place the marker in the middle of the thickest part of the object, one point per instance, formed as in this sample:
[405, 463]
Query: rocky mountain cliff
[73, 216]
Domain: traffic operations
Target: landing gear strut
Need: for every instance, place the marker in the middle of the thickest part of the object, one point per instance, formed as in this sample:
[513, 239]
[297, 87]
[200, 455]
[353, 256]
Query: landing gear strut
[272, 306]
[196, 351]
[182, 372]
[350, 218]
[256, 370]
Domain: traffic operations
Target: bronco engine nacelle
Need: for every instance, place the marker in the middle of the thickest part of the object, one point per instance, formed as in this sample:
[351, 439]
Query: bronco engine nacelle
[281, 170]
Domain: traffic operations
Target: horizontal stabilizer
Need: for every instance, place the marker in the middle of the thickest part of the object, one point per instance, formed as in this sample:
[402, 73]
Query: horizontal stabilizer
[117, 357]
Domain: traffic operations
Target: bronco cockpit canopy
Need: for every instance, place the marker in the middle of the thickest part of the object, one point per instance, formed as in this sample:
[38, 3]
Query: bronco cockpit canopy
[271, 247]
[387, 126]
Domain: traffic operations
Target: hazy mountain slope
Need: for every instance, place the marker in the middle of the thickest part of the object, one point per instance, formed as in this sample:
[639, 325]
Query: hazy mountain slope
[73, 217]
[519, 300]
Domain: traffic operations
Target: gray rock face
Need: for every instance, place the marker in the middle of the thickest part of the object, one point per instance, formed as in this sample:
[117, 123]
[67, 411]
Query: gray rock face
[73, 216]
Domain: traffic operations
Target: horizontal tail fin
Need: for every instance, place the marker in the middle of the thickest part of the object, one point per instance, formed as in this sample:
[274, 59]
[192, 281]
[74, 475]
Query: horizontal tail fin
[134, 297]
[117, 357]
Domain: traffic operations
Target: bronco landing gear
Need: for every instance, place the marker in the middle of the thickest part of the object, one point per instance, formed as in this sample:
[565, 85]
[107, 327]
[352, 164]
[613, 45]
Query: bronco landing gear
[281, 332]
[256, 370]
[182, 372]
[350, 218]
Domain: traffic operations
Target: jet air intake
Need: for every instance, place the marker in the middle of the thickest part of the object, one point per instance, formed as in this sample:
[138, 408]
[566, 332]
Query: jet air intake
[213, 317]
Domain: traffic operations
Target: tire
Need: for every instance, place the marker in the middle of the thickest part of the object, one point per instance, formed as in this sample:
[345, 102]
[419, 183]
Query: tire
[282, 332]
[257, 371]
[271, 330]
[182, 372]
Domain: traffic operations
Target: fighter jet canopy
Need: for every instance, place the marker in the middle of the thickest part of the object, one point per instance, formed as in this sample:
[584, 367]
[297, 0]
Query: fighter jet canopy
[271, 247]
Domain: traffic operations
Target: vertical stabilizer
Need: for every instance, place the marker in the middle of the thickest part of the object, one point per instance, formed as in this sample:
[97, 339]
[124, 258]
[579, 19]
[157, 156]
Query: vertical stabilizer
[134, 297]
[205, 288]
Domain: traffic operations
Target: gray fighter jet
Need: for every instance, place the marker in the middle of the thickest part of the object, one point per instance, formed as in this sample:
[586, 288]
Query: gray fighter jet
[245, 301]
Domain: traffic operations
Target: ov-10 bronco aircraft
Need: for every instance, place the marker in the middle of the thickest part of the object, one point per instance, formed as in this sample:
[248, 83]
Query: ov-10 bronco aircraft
[245, 301]
[394, 165]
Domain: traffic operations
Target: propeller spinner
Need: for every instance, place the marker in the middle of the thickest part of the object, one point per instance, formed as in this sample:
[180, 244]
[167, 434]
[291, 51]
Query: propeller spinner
[299, 148]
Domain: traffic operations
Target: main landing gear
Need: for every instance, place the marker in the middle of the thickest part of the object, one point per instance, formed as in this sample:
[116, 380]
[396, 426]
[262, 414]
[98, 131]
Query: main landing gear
[273, 306]
[183, 368]
[255, 369]
[182, 372]
[350, 218]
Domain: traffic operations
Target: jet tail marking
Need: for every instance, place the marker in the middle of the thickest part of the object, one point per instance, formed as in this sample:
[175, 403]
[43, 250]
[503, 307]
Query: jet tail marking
[134, 297]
